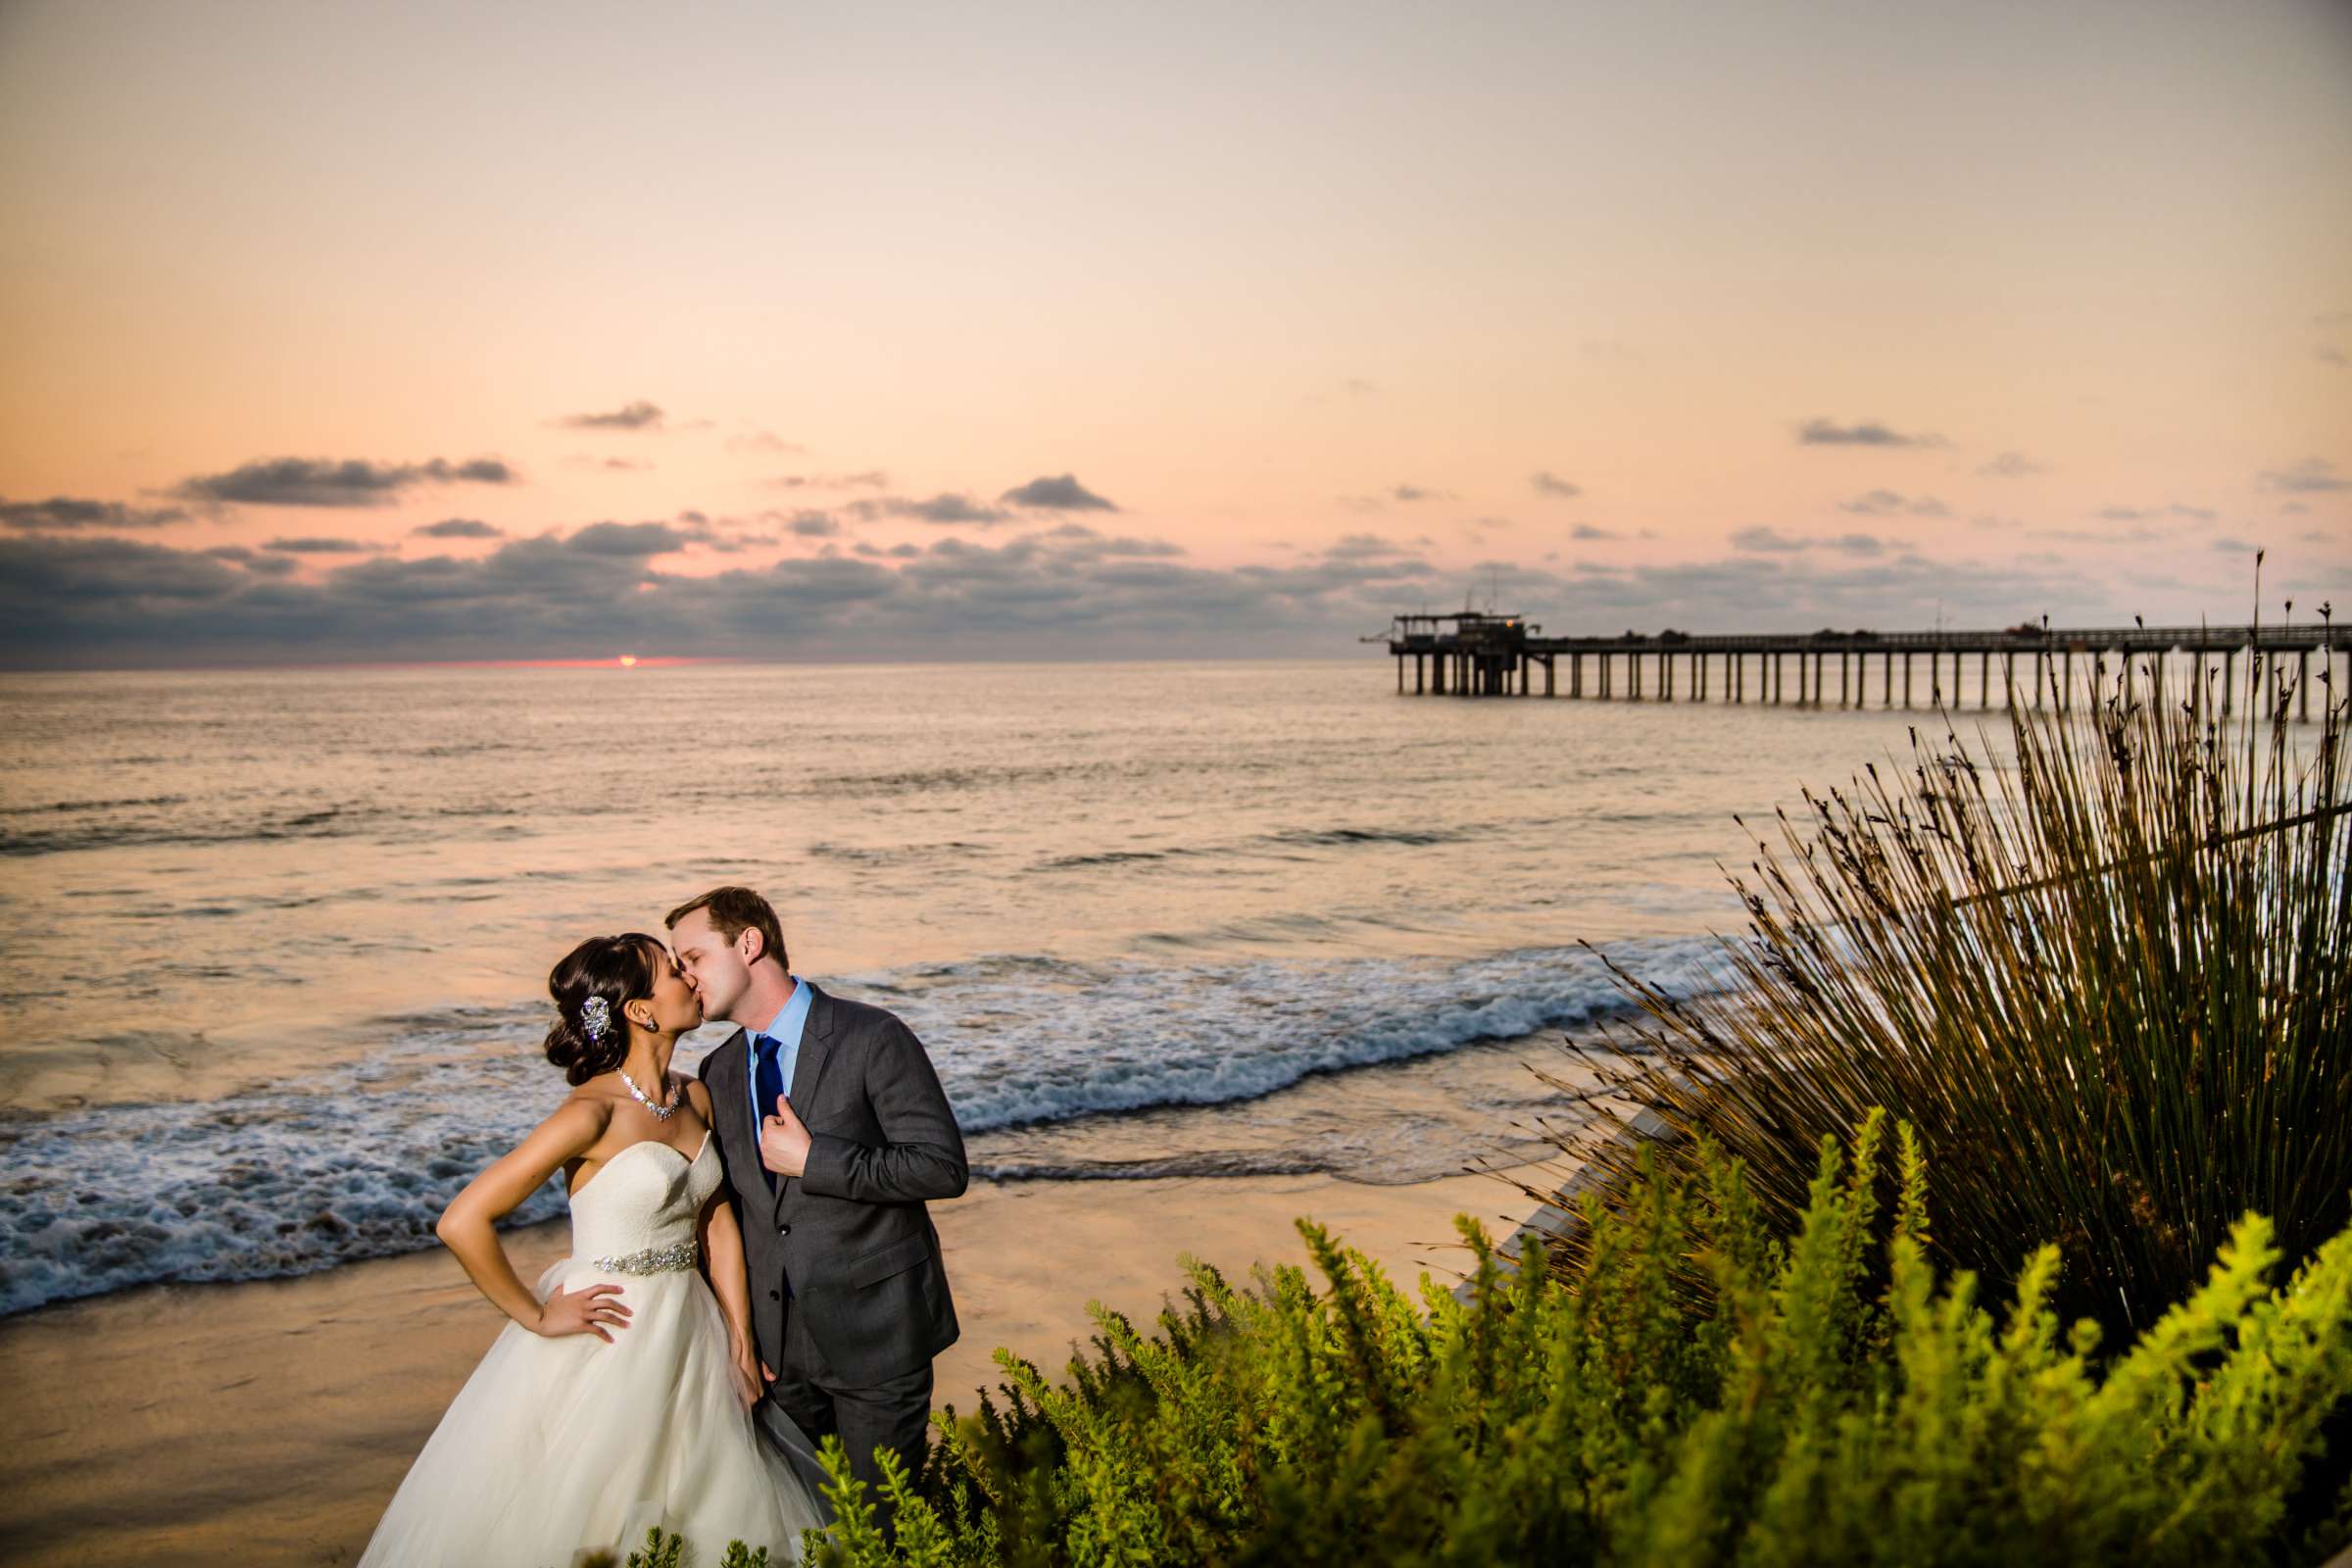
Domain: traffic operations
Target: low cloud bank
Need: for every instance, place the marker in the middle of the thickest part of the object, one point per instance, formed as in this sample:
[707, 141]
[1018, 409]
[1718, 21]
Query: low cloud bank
[1068, 592]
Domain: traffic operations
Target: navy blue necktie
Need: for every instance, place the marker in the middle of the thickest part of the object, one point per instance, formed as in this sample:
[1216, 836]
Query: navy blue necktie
[768, 1081]
[768, 1053]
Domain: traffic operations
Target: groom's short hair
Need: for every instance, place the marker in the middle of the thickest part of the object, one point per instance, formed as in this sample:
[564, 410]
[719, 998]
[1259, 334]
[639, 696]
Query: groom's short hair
[733, 910]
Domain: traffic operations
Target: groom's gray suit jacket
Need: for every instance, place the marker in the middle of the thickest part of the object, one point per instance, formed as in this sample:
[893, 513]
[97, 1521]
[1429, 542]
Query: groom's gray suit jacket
[851, 1231]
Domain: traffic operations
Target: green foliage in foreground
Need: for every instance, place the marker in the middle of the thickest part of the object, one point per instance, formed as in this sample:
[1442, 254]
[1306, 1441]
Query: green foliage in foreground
[664, 1549]
[2109, 982]
[1699, 1390]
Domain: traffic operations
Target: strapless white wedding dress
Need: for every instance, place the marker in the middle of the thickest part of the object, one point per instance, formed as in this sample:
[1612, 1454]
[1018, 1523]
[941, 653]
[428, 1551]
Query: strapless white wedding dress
[559, 1446]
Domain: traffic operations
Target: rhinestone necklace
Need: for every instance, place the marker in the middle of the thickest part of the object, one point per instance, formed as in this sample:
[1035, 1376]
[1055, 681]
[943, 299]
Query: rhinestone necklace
[661, 1113]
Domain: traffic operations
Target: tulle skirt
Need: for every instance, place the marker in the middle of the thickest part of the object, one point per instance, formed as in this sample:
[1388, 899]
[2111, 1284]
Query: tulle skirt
[560, 1446]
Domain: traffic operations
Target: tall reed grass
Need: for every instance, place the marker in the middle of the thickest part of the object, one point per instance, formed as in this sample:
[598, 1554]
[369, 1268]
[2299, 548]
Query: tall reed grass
[2108, 978]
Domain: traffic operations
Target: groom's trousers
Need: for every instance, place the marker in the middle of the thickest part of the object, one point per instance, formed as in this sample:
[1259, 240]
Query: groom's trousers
[892, 1415]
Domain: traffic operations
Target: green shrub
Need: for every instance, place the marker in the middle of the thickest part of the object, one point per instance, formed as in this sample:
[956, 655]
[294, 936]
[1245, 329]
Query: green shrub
[2110, 985]
[665, 1549]
[1697, 1389]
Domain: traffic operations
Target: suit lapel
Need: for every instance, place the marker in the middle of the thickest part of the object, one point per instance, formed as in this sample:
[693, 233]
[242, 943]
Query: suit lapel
[817, 1048]
[730, 1090]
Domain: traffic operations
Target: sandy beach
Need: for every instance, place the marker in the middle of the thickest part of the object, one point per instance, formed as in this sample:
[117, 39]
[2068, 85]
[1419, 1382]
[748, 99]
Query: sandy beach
[270, 1422]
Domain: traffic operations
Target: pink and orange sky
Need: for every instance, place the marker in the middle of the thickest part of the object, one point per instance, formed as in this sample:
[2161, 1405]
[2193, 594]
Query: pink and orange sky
[767, 330]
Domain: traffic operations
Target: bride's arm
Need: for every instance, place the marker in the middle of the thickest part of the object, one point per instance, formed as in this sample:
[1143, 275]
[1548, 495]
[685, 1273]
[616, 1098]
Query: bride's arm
[723, 1263]
[467, 1226]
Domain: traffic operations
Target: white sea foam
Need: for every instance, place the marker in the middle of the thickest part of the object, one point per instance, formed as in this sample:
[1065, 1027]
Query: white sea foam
[294, 1179]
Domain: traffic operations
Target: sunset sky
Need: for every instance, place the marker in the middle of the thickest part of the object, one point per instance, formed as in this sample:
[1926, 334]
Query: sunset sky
[772, 330]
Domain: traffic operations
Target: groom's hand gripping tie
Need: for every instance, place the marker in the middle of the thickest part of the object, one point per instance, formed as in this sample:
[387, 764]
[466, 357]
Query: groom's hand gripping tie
[783, 1141]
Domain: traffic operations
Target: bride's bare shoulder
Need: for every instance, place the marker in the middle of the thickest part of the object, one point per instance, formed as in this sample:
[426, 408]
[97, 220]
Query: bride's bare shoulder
[582, 1116]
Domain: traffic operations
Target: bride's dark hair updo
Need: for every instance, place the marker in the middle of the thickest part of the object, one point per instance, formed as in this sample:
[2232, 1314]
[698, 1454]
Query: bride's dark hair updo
[616, 969]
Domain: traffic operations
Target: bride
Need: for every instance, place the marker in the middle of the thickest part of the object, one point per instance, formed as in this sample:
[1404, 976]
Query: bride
[620, 1397]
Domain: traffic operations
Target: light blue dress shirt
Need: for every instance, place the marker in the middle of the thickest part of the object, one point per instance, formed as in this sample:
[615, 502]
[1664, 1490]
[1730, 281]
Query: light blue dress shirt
[785, 1028]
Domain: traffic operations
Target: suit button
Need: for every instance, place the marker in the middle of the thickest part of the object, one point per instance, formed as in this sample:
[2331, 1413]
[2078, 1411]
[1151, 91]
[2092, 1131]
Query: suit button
[783, 1230]
[775, 1295]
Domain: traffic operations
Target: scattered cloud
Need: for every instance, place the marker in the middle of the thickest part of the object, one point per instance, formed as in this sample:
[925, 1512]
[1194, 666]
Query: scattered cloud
[1079, 534]
[1549, 483]
[813, 524]
[944, 508]
[733, 544]
[1361, 547]
[1414, 492]
[1768, 541]
[1586, 530]
[2154, 514]
[458, 528]
[324, 482]
[2098, 536]
[254, 560]
[1057, 493]
[2010, 465]
[1867, 433]
[637, 415]
[870, 480]
[2311, 476]
[638, 539]
[66, 514]
[317, 545]
[2328, 354]
[1890, 503]
[763, 441]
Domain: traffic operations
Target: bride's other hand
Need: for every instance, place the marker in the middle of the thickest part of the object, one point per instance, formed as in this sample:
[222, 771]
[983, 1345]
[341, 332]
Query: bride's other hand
[746, 1368]
[582, 1312]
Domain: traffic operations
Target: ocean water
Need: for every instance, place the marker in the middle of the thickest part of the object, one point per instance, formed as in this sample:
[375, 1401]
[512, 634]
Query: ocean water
[276, 942]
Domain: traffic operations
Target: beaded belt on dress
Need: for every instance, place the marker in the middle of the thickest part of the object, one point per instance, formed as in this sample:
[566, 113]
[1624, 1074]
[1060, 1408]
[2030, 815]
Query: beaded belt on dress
[651, 1260]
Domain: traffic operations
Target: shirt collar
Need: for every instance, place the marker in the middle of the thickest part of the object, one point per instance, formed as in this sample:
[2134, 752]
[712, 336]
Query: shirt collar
[798, 999]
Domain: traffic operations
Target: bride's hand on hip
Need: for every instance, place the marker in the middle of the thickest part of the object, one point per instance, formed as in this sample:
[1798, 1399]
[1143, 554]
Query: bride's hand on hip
[582, 1312]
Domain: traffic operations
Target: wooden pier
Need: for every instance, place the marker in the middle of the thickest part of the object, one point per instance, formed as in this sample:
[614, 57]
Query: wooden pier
[1476, 653]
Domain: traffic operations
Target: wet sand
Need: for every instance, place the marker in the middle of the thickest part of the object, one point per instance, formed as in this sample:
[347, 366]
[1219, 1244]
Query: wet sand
[270, 1422]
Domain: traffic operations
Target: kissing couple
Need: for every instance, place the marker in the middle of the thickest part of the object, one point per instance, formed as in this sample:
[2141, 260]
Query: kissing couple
[749, 1249]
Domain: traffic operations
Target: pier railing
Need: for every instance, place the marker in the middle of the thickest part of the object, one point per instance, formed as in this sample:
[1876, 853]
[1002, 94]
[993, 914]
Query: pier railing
[1473, 655]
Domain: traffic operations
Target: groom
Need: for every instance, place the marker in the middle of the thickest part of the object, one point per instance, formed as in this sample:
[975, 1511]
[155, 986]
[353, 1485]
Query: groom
[834, 1132]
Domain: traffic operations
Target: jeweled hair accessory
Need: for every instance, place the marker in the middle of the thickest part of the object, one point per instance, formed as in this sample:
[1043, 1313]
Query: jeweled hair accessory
[596, 1015]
